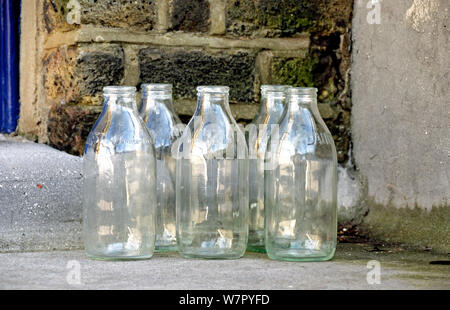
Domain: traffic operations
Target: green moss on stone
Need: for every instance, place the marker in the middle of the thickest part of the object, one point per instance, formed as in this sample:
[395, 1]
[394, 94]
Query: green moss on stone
[411, 226]
[290, 19]
[292, 16]
[295, 71]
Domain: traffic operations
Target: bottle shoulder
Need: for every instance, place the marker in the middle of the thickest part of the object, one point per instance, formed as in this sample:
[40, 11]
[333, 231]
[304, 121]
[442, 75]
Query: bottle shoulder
[119, 129]
[303, 133]
[212, 132]
[163, 124]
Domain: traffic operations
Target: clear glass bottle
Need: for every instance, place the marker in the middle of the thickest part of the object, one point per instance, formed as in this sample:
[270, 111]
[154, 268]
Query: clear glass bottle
[165, 128]
[301, 189]
[212, 181]
[119, 182]
[273, 102]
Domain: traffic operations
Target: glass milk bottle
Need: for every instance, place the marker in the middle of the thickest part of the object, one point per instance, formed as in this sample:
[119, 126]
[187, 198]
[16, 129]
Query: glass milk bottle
[212, 181]
[119, 182]
[301, 188]
[273, 101]
[164, 125]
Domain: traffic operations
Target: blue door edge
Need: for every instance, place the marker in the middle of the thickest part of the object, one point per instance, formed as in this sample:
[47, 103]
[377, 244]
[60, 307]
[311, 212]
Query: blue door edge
[9, 63]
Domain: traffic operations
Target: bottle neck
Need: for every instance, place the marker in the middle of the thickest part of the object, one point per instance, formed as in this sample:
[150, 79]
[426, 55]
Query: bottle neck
[150, 99]
[153, 94]
[302, 98]
[121, 101]
[212, 98]
[120, 96]
[296, 103]
[272, 102]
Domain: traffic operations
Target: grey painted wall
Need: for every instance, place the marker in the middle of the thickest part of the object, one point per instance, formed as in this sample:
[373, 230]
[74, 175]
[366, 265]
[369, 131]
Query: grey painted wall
[401, 101]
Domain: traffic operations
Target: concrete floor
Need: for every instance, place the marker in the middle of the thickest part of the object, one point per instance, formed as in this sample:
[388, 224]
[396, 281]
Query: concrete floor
[399, 269]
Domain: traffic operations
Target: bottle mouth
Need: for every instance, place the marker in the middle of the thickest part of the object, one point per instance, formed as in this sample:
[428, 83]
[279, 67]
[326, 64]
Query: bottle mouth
[303, 91]
[119, 90]
[213, 89]
[274, 88]
[157, 87]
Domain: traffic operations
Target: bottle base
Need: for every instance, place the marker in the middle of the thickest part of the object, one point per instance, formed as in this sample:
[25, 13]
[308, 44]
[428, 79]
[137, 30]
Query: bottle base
[256, 248]
[292, 255]
[118, 257]
[166, 248]
[202, 253]
[118, 251]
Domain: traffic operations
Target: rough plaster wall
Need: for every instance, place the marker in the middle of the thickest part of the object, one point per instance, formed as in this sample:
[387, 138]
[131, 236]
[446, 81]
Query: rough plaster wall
[401, 105]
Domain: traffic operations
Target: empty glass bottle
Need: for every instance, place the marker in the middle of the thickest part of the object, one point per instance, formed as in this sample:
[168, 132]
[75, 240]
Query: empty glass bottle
[119, 185]
[212, 181]
[164, 125]
[300, 195]
[273, 101]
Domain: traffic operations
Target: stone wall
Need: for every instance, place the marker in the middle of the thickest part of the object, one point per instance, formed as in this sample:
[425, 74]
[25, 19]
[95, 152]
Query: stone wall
[87, 44]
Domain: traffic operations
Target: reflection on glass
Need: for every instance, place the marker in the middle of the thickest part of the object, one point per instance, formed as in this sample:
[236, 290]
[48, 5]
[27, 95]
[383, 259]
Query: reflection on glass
[273, 101]
[301, 189]
[119, 182]
[212, 181]
[164, 125]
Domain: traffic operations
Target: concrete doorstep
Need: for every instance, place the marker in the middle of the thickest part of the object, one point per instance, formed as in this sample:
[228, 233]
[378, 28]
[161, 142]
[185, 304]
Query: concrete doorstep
[40, 198]
[40, 242]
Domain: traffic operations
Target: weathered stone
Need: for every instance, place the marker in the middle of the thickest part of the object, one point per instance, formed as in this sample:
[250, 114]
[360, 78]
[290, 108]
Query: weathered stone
[99, 67]
[217, 17]
[287, 17]
[55, 13]
[78, 74]
[69, 126]
[186, 69]
[137, 15]
[340, 129]
[192, 16]
[327, 112]
[59, 76]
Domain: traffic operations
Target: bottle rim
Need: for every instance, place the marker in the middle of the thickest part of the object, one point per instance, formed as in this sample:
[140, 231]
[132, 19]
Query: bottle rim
[275, 88]
[303, 91]
[157, 87]
[119, 90]
[213, 89]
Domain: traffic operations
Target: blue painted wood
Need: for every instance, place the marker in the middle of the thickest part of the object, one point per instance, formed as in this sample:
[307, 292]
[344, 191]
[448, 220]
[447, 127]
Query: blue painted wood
[2, 66]
[9, 63]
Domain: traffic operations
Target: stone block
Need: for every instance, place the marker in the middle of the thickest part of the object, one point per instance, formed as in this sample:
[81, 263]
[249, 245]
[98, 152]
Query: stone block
[77, 74]
[189, 16]
[137, 15]
[69, 126]
[55, 16]
[287, 17]
[187, 69]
